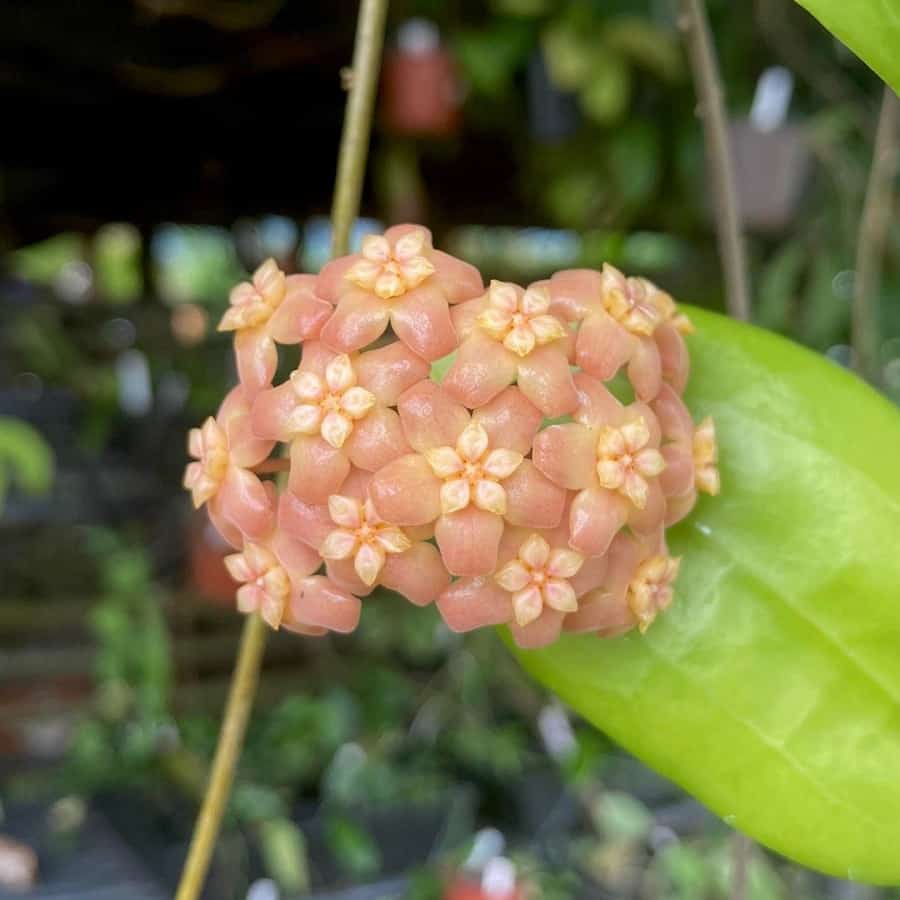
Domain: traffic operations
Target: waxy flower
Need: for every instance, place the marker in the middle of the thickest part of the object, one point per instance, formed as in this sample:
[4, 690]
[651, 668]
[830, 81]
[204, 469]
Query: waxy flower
[610, 455]
[618, 318]
[675, 361]
[401, 280]
[267, 309]
[334, 410]
[469, 474]
[225, 450]
[650, 590]
[509, 335]
[277, 581]
[538, 582]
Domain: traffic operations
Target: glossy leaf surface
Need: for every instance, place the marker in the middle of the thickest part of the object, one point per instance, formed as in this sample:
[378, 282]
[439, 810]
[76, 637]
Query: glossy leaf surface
[870, 28]
[771, 688]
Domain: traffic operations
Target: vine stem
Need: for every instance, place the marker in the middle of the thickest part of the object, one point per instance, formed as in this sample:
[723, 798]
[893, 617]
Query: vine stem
[348, 190]
[708, 84]
[873, 230]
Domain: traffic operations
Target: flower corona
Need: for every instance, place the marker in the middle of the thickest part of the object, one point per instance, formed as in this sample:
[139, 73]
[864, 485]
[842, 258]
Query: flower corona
[455, 490]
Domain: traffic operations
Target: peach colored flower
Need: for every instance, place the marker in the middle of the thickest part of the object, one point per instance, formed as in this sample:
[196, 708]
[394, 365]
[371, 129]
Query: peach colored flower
[267, 309]
[669, 337]
[398, 278]
[507, 336]
[610, 455]
[618, 318]
[467, 476]
[225, 449]
[538, 582]
[650, 589]
[335, 410]
[277, 581]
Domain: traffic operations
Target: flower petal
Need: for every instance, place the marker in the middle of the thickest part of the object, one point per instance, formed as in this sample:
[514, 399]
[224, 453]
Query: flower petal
[318, 602]
[532, 500]
[465, 317]
[675, 421]
[564, 563]
[256, 356]
[242, 500]
[535, 551]
[455, 495]
[406, 491]
[590, 575]
[421, 319]
[335, 427]
[307, 522]
[474, 603]
[545, 379]
[677, 478]
[339, 373]
[542, 631]
[559, 594]
[430, 417]
[376, 440]
[510, 419]
[445, 462]
[596, 405]
[650, 517]
[574, 293]
[527, 605]
[674, 358]
[677, 508]
[296, 557]
[390, 370]
[490, 496]
[345, 512]
[357, 401]
[596, 515]
[301, 315]
[514, 576]
[368, 563]
[501, 463]
[644, 370]
[602, 612]
[468, 541]
[459, 280]
[418, 574]
[342, 573]
[481, 370]
[331, 282]
[317, 469]
[603, 345]
[472, 443]
[566, 454]
[359, 319]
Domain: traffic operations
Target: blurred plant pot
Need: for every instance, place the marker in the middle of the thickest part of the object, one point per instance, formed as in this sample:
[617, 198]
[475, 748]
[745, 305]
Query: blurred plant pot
[206, 555]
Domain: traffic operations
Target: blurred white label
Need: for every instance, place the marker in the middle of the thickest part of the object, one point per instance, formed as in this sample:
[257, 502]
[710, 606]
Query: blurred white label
[772, 99]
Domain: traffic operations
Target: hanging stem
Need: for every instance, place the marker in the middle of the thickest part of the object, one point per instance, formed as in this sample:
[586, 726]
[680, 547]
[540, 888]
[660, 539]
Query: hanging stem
[351, 168]
[363, 79]
[708, 85]
[873, 230]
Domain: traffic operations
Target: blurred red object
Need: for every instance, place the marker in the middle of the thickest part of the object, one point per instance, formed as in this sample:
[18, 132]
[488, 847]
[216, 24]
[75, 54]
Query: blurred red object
[466, 889]
[207, 566]
[422, 95]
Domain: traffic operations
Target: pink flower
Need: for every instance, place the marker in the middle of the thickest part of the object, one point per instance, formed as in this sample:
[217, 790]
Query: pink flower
[271, 308]
[398, 278]
[509, 335]
[610, 455]
[467, 476]
[277, 581]
[637, 586]
[335, 410]
[225, 450]
[538, 582]
[618, 318]
[674, 358]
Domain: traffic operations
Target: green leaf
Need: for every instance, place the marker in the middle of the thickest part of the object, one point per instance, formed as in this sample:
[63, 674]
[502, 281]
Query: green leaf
[771, 688]
[26, 455]
[870, 28]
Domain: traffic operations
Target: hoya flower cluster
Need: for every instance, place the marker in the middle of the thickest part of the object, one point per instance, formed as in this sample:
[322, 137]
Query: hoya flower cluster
[457, 492]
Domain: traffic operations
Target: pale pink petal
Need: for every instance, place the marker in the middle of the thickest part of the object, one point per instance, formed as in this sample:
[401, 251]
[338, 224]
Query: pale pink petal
[560, 595]
[596, 515]
[242, 500]
[317, 469]
[229, 532]
[514, 576]
[678, 476]
[535, 551]
[566, 454]
[602, 612]
[237, 567]
[510, 419]
[257, 358]
[465, 316]
[342, 573]
[247, 449]
[376, 440]
[406, 491]
[546, 380]
[532, 500]
[474, 603]
[339, 544]
[642, 410]
[314, 358]
[430, 417]
[673, 355]
[542, 631]
[603, 346]
[270, 417]
[296, 556]
[644, 371]
[301, 315]
[331, 282]
[418, 574]
[575, 292]
[564, 563]
[679, 507]
[345, 511]
[490, 496]
[455, 495]
[250, 598]
[481, 370]
[316, 601]
[647, 520]
[368, 562]
[395, 232]
[421, 319]
[359, 319]
[675, 421]
[459, 280]
[590, 576]
[390, 370]
[468, 541]
[501, 463]
[307, 522]
[596, 405]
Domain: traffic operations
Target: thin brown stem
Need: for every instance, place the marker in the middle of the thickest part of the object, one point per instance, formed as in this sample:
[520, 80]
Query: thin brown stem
[351, 168]
[362, 79]
[872, 239]
[708, 85]
[271, 466]
[741, 849]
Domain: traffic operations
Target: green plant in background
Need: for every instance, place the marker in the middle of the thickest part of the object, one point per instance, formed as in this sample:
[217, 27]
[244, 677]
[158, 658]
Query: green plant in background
[26, 459]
